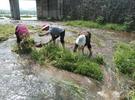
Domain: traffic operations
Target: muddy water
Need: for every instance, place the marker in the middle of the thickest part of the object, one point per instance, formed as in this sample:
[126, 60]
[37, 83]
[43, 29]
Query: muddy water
[103, 43]
[21, 79]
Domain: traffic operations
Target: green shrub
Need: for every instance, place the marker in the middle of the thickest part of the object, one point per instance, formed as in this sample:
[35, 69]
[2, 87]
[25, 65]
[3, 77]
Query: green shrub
[90, 69]
[99, 59]
[130, 23]
[64, 18]
[66, 60]
[100, 20]
[62, 64]
[116, 27]
[92, 24]
[52, 52]
[38, 56]
[81, 23]
[124, 58]
[26, 46]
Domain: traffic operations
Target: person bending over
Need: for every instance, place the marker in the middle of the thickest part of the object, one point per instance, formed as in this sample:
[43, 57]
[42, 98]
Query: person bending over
[21, 32]
[55, 32]
[83, 40]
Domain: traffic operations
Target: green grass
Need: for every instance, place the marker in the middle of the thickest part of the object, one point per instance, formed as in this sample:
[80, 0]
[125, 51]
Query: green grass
[26, 16]
[65, 59]
[26, 46]
[92, 24]
[131, 95]
[6, 31]
[124, 58]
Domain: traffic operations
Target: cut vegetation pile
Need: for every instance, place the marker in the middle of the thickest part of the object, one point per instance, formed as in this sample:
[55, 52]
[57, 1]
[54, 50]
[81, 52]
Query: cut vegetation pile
[6, 31]
[65, 59]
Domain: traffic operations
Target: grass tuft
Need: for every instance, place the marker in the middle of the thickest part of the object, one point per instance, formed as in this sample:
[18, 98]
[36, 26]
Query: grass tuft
[26, 46]
[92, 24]
[6, 30]
[124, 58]
[65, 59]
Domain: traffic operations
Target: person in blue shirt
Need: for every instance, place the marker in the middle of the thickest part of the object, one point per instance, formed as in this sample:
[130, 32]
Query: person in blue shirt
[55, 32]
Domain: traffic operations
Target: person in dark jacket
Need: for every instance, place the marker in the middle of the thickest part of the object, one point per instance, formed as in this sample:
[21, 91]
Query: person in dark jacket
[55, 32]
[83, 40]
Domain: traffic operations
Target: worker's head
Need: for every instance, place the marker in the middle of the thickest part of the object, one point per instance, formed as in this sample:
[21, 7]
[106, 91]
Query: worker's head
[45, 27]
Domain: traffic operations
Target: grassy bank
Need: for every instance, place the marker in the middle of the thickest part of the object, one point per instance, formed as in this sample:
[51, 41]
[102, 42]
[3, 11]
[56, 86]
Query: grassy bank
[124, 58]
[66, 60]
[6, 31]
[91, 24]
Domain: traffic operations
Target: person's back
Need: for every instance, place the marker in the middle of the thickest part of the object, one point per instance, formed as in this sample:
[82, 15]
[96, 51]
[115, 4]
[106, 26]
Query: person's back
[21, 32]
[55, 32]
[21, 29]
[83, 40]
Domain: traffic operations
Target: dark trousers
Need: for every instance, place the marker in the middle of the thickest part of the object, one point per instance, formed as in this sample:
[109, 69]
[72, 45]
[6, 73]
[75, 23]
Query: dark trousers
[17, 36]
[61, 35]
[18, 39]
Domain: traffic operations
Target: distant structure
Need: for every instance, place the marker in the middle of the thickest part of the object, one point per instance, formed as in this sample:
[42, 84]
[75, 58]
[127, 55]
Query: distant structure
[15, 11]
[45, 9]
[114, 11]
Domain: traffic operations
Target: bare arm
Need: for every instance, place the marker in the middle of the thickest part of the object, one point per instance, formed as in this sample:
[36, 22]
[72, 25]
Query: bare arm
[44, 34]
